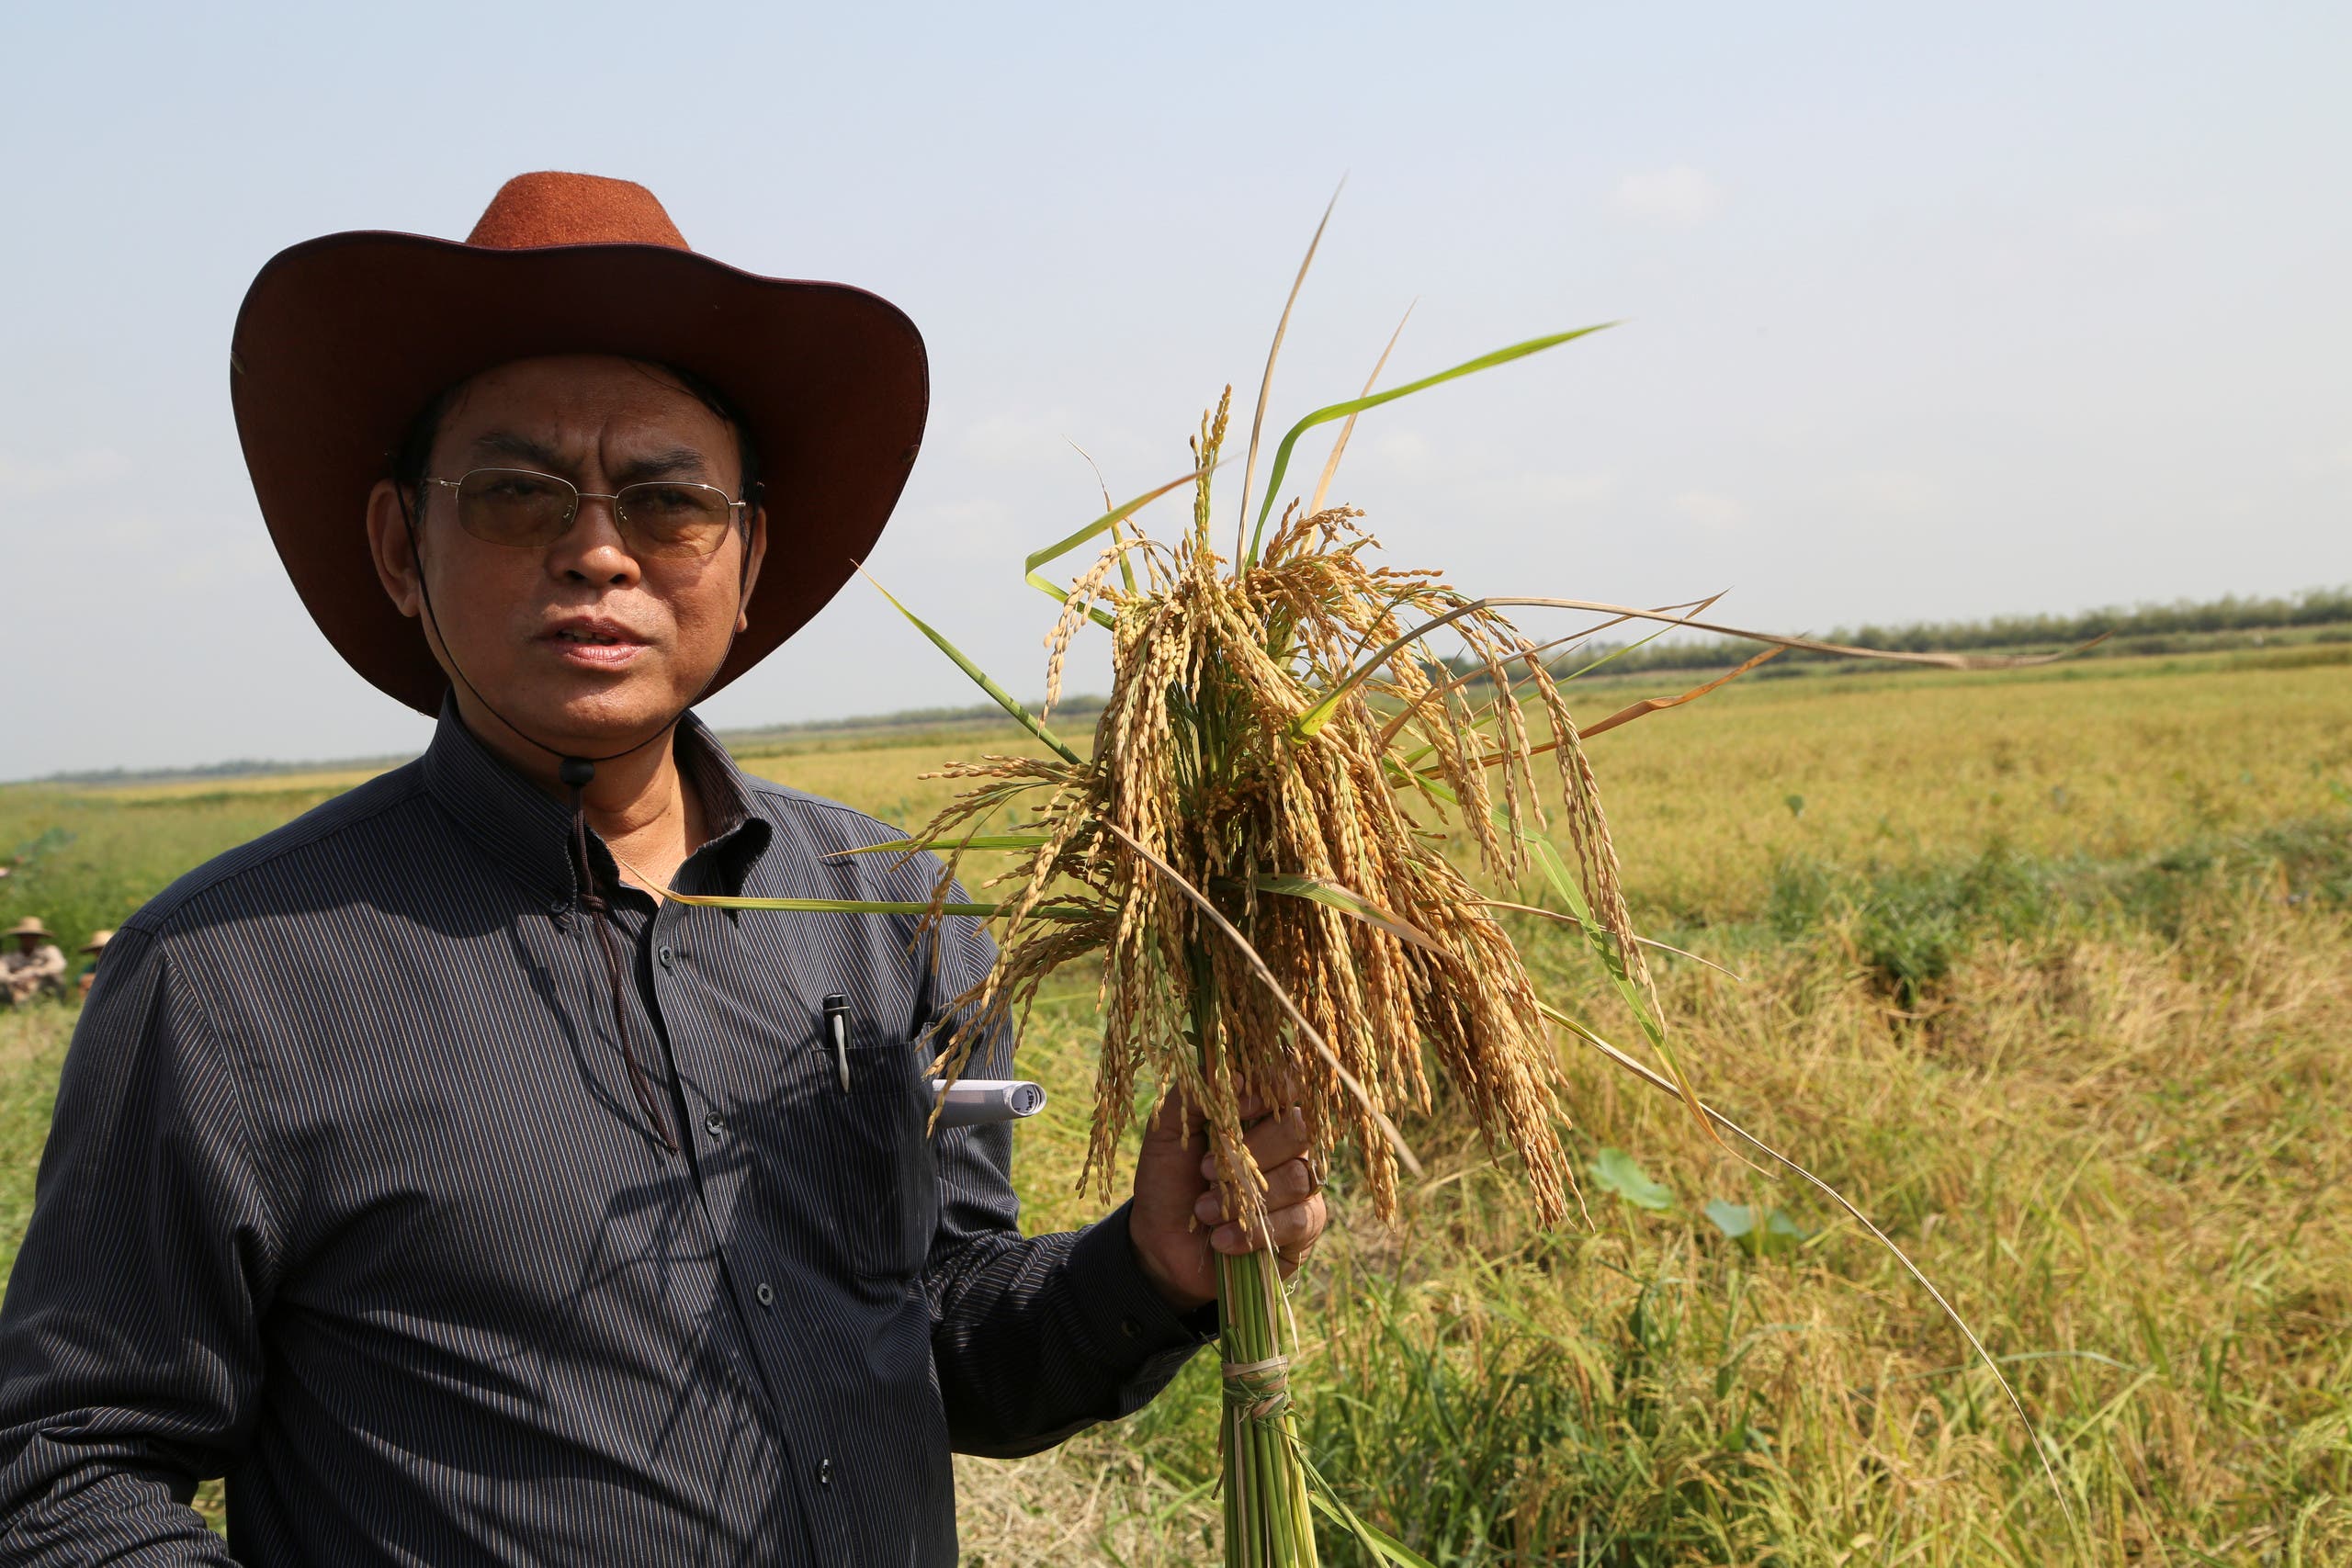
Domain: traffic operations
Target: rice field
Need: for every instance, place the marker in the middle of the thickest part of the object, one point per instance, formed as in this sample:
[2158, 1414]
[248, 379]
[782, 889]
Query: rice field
[2051, 972]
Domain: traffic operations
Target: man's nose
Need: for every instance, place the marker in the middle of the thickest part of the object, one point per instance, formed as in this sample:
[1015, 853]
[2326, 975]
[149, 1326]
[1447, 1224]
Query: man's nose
[593, 550]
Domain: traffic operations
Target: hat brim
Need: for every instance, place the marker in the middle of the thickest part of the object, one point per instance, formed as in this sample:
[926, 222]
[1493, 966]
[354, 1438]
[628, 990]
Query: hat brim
[342, 341]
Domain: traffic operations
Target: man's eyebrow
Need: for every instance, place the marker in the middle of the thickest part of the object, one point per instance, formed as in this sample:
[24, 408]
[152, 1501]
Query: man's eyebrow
[668, 462]
[672, 462]
[541, 454]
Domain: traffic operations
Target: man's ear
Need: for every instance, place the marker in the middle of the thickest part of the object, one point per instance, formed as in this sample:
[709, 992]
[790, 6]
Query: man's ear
[759, 554]
[392, 548]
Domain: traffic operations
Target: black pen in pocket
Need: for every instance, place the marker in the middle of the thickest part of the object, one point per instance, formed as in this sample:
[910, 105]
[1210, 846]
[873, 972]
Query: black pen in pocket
[837, 1033]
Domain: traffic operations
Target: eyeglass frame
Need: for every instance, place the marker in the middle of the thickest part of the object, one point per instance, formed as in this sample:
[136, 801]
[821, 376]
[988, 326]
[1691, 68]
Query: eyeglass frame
[734, 508]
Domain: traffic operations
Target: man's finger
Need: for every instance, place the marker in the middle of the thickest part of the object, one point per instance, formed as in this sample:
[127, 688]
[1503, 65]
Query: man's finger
[1253, 1105]
[1293, 1183]
[1293, 1230]
[1278, 1139]
[1166, 1124]
[1296, 1228]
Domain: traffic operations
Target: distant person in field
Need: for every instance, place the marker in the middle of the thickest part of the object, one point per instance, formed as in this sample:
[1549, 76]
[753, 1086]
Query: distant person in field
[31, 966]
[418, 1168]
[93, 950]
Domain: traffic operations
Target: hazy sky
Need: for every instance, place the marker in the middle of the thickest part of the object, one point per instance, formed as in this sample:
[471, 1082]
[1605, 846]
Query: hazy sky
[2007, 308]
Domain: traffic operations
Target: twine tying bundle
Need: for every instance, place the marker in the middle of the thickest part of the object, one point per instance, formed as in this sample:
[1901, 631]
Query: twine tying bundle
[1259, 1391]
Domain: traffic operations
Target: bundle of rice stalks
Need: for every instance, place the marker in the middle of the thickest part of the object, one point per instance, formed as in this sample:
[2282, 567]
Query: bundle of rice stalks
[1260, 868]
[1280, 850]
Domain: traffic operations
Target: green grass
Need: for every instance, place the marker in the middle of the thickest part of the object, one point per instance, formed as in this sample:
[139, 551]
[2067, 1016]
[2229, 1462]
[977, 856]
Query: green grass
[1910, 923]
[32, 1047]
[85, 858]
[2052, 974]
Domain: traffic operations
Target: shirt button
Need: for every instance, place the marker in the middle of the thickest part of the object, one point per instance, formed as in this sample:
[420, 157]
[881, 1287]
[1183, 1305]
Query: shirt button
[1128, 1327]
[824, 1473]
[713, 1124]
[666, 957]
[767, 1292]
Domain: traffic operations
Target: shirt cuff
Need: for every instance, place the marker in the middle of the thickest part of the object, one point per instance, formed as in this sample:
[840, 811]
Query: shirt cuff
[1123, 1318]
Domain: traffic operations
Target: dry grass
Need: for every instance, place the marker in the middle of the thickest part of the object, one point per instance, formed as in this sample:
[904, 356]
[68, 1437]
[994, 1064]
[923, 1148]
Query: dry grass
[2108, 759]
[2109, 1130]
[2121, 1154]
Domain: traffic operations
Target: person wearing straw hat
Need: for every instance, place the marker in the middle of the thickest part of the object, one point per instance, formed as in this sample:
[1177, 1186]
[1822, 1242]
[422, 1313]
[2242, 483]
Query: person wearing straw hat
[92, 950]
[421, 1168]
[33, 967]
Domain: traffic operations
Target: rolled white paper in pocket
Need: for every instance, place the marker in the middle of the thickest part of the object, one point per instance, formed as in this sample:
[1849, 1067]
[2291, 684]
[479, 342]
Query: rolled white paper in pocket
[974, 1102]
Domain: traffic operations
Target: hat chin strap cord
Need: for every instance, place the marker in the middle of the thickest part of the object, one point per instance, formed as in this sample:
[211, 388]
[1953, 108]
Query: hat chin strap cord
[576, 773]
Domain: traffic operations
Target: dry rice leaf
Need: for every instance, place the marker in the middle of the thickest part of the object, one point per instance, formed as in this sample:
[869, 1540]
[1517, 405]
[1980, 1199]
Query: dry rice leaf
[1273, 352]
[1339, 442]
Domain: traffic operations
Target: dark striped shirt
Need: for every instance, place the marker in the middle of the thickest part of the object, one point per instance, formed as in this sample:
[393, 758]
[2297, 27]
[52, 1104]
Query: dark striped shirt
[350, 1199]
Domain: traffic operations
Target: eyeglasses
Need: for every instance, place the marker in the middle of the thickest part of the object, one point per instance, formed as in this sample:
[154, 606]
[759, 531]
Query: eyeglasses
[662, 519]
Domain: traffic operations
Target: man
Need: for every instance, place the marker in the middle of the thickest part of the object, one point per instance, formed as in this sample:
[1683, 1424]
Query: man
[419, 1169]
[92, 950]
[35, 968]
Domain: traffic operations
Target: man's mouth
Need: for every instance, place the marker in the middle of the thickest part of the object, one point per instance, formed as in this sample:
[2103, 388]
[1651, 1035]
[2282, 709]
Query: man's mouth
[595, 644]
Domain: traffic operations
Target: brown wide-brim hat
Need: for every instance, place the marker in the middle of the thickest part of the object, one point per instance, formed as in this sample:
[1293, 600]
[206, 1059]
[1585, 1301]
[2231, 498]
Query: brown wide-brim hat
[99, 939]
[29, 926]
[343, 340]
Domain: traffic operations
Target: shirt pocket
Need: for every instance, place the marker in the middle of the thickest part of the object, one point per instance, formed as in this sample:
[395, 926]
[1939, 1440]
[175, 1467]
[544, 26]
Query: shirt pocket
[885, 1183]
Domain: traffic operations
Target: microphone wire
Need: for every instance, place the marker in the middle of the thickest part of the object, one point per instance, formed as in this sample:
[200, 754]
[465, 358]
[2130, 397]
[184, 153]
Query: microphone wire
[576, 773]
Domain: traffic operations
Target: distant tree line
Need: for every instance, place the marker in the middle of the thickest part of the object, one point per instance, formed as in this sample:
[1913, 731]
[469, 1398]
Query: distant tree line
[2141, 628]
[240, 768]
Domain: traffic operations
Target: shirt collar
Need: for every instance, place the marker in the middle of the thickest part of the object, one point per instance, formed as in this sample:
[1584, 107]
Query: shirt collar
[529, 832]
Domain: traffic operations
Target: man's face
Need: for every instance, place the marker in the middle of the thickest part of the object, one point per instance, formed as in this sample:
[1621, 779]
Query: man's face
[582, 644]
[27, 942]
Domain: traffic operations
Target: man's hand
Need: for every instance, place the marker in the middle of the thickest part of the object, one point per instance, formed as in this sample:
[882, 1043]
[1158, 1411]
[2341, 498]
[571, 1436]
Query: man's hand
[1178, 1224]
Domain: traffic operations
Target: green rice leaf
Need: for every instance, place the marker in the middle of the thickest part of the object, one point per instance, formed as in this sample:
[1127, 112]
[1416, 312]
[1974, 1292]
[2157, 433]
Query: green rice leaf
[1381, 1546]
[807, 905]
[1372, 401]
[1004, 699]
[985, 842]
[830, 905]
[1612, 962]
[1323, 890]
[803, 906]
[1102, 525]
[1555, 871]
[1596, 937]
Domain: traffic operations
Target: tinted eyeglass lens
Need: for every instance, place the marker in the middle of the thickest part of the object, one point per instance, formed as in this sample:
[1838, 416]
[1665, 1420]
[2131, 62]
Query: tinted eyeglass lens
[508, 506]
[674, 520]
